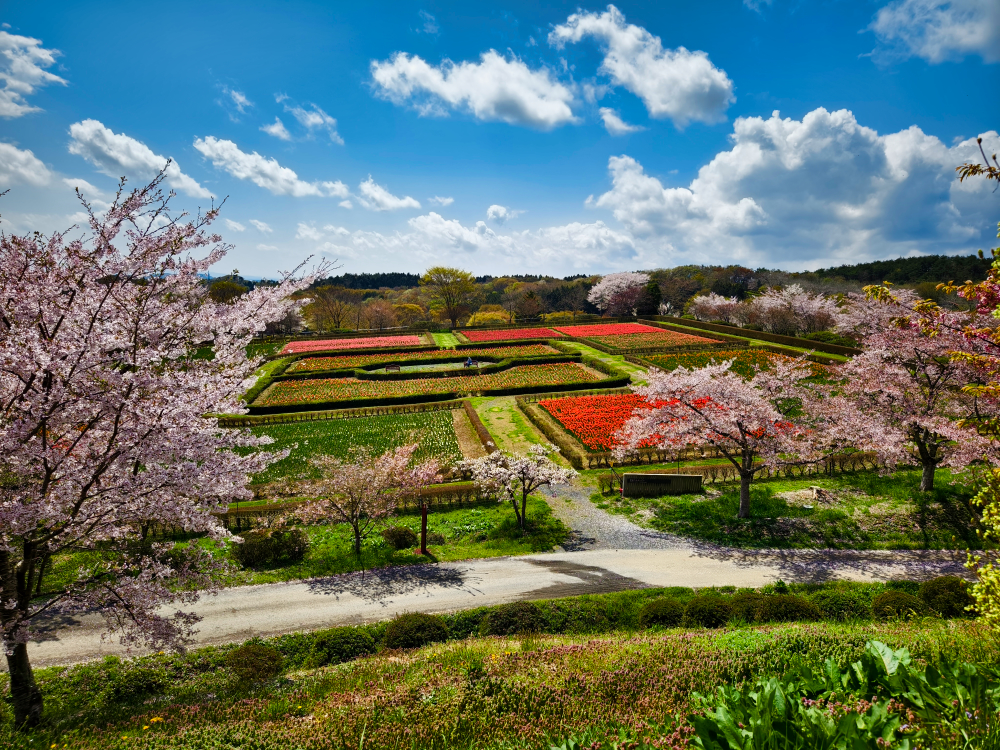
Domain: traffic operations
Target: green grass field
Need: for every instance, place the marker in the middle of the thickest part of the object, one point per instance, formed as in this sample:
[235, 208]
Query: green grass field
[862, 511]
[433, 431]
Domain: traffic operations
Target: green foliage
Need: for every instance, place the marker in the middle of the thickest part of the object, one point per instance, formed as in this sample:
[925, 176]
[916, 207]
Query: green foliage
[264, 547]
[400, 537]
[512, 619]
[339, 645]
[707, 611]
[254, 662]
[893, 605]
[947, 595]
[843, 604]
[414, 630]
[664, 613]
[745, 605]
[786, 608]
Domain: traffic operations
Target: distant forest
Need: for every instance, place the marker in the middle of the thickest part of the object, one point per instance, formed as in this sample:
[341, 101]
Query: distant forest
[935, 268]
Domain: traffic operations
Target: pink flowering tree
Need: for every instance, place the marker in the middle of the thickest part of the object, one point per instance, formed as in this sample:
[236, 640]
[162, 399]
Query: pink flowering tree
[512, 478]
[618, 293]
[907, 397]
[714, 306]
[367, 489]
[106, 426]
[746, 420]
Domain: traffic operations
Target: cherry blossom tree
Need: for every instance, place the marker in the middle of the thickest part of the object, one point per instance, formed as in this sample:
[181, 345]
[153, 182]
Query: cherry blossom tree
[510, 477]
[106, 426]
[713, 306]
[367, 489]
[905, 397]
[746, 420]
[618, 293]
[787, 311]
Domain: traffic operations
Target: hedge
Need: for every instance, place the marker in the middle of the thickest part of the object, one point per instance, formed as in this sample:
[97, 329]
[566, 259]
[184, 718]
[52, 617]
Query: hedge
[247, 420]
[762, 336]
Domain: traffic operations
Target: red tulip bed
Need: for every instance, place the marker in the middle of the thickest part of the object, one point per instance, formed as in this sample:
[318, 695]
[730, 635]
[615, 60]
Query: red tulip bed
[324, 390]
[348, 361]
[630, 337]
[512, 334]
[594, 420]
[372, 342]
[605, 329]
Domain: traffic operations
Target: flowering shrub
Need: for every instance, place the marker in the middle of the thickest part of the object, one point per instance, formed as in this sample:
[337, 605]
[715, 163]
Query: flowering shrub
[348, 361]
[606, 329]
[744, 361]
[512, 333]
[323, 390]
[594, 420]
[297, 347]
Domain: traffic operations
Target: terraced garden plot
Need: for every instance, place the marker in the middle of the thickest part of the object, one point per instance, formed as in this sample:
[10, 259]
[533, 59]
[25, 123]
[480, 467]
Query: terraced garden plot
[630, 342]
[511, 334]
[606, 329]
[745, 361]
[331, 390]
[347, 361]
[434, 433]
[369, 342]
[594, 420]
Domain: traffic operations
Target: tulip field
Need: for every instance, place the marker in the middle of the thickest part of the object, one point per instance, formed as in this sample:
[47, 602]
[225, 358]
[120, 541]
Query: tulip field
[606, 329]
[511, 334]
[594, 420]
[369, 342]
[745, 361]
[348, 361]
[432, 431]
[325, 390]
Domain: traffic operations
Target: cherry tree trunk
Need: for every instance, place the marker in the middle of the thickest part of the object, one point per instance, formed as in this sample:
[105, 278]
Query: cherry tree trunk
[927, 477]
[745, 478]
[423, 529]
[24, 692]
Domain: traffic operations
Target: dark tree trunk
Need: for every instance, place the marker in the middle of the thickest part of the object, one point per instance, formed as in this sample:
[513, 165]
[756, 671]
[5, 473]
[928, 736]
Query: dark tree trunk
[423, 529]
[26, 696]
[357, 541]
[927, 477]
[745, 479]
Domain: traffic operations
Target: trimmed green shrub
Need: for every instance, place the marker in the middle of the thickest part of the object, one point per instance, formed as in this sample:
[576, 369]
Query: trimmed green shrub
[434, 537]
[665, 613]
[270, 547]
[947, 595]
[339, 645]
[254, 662]
[843, 605]
[512, 619]
[891, 605]
[414, 630]
[708, 611]
[787, 608]
[400, 537]
[744, 606]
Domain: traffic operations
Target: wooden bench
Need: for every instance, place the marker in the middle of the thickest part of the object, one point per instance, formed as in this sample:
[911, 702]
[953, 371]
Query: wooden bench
[392, 368]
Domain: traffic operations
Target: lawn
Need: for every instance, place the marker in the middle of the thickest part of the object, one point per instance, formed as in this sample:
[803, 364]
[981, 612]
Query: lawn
[329, 390]
[861, 510]
[501, 693]
[433, 431]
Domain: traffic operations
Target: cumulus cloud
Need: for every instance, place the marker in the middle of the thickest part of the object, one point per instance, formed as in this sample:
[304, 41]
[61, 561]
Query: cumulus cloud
[116, 155]
[939, 31]
[438, 200]
[805, 193]
[264, 172]
[235, 226]
[346, 204]
[315, 119]
[673, 83]
[615, 124]
[88, 190]
[374, 197]
[260, 226]
[17, 166]
[23, 63]
[494, 88]
[500, 214]
[277, 129]
[308, 232]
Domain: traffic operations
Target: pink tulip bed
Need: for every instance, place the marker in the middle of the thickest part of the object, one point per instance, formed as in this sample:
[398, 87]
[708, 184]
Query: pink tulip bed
[369, 342]
[512, 334]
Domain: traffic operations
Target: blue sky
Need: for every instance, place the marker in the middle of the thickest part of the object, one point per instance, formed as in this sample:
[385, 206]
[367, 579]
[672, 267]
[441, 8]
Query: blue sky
[516, 138]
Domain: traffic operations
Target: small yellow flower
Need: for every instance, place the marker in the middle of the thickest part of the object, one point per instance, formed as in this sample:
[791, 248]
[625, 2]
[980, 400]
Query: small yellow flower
[55, 745]
[145, 727]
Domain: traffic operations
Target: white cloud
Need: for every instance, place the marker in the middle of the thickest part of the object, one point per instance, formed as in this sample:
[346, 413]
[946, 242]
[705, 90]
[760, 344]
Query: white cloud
[499, 214]
[495, 88]
[939, 31]
[374, 197]
[430, 24]
[438, 200]
[260, 226]
[672, 83]
[266, 247]
[117, 155]
[346, 204]
[238, 98]
[277, 129]
[315, 119]
[17, 166]
[337, 230]
[235, 225]
[757, 5]
[308, 232]
[23, 61]
[264, 172]
[615, 124]
[89, 191]
[805, 193]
